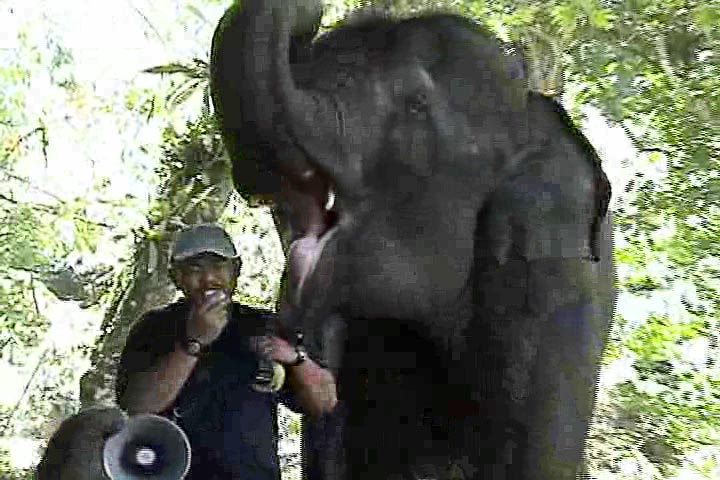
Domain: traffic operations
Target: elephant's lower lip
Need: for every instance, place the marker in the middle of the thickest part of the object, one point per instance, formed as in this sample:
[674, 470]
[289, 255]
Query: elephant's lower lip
[303, 256]
[314, 220]
[305, 251]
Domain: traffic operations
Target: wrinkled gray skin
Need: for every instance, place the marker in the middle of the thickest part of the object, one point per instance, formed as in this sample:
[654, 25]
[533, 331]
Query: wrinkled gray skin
[74, 451]
[453, 297]
[450, 285]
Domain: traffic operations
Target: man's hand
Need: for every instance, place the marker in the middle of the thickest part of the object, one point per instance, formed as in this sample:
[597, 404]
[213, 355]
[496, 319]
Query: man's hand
[274, 348]
[208, 318]
[281, 351]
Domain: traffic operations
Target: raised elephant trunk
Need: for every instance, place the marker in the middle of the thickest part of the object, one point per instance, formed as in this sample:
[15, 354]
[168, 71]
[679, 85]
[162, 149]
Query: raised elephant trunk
[277, 128]
[257, 100]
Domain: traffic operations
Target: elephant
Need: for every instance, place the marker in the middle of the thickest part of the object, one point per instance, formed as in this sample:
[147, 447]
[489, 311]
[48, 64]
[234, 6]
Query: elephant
[450, 253]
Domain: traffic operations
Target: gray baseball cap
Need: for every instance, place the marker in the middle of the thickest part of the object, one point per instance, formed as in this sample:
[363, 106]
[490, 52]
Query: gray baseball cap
[203, 238]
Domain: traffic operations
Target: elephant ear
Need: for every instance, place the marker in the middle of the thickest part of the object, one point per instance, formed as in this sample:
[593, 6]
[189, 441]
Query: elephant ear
[553, 204]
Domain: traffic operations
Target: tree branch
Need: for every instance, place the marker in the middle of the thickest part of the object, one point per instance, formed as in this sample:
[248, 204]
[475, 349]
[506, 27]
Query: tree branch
[655, 149]
[41, 360]
[27, 182]
[55, 211]
[6, 430]
[43, 134]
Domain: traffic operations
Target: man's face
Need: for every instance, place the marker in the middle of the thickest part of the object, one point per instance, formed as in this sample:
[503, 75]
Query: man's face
[196, 275]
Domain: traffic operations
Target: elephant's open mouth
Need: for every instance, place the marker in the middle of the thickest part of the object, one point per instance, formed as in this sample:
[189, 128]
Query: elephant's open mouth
[313, 221]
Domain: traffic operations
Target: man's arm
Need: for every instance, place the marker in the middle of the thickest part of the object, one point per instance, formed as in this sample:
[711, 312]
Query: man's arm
[153, 367]
[313, 386]
[154, 390]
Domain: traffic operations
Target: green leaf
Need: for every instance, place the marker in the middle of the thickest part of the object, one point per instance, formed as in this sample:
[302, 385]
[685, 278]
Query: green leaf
[565, 17]
[707, 17]
[170, 68]
[601, 19]
[195, 11]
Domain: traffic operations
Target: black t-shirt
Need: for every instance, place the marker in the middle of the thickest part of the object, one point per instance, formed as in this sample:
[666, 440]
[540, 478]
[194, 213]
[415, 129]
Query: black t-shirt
[231, 427]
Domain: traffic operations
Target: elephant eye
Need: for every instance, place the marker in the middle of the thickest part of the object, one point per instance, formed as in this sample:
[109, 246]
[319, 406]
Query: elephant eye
[417, 104]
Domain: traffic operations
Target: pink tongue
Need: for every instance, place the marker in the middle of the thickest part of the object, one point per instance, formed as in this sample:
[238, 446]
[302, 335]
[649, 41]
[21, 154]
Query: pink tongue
[310, 219]
[302, 256]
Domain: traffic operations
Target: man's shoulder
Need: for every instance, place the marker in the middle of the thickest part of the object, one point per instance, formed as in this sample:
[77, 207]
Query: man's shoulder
[169, 308]
[161, 317]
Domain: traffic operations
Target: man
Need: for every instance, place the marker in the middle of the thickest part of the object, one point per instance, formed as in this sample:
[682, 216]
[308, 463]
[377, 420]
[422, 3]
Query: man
[193, 361]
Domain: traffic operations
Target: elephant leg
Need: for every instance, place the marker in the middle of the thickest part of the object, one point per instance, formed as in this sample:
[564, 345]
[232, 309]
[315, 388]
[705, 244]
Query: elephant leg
[487, 444]
[501, 350]
[566, 370]
[444, 468]
[438, 469]
[323, 439]
[561, 405]
[323, 446]
[394, 383]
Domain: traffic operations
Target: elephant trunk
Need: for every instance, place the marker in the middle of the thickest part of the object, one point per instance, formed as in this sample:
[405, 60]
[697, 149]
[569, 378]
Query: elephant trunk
[261, 110]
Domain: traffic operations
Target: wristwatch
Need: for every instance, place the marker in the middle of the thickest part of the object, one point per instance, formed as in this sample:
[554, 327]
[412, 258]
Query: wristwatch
[192, 347]
[301, 356]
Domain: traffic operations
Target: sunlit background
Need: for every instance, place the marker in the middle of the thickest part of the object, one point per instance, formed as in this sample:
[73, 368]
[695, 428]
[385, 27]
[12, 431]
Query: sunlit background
[81, 65]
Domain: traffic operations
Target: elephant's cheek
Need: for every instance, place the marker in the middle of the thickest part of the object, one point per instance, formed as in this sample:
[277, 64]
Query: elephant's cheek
[388, 286]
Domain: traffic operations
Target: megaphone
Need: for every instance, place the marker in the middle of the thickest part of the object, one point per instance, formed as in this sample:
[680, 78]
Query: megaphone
[270, 376]
[148, 447]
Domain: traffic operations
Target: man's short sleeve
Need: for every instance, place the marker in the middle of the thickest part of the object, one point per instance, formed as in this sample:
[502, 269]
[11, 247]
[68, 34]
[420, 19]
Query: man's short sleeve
[151, 338]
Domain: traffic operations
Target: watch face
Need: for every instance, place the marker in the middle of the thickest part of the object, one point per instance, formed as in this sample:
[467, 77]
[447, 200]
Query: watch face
[301, 355]
[193, 347]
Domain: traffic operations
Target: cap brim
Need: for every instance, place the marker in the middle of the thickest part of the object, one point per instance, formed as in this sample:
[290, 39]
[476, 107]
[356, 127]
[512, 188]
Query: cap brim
[198, 251]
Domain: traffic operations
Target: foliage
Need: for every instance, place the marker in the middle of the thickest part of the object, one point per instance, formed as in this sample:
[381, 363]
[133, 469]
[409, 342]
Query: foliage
[651, 67]
[63, 231]
[196, 75]
[39, 232]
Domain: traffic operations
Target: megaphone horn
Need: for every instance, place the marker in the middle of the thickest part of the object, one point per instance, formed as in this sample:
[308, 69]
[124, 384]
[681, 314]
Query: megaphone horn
[148, 447]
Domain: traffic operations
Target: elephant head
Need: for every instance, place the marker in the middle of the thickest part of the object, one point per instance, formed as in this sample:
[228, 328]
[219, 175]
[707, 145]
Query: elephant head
[392, 118]
[430, 194]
